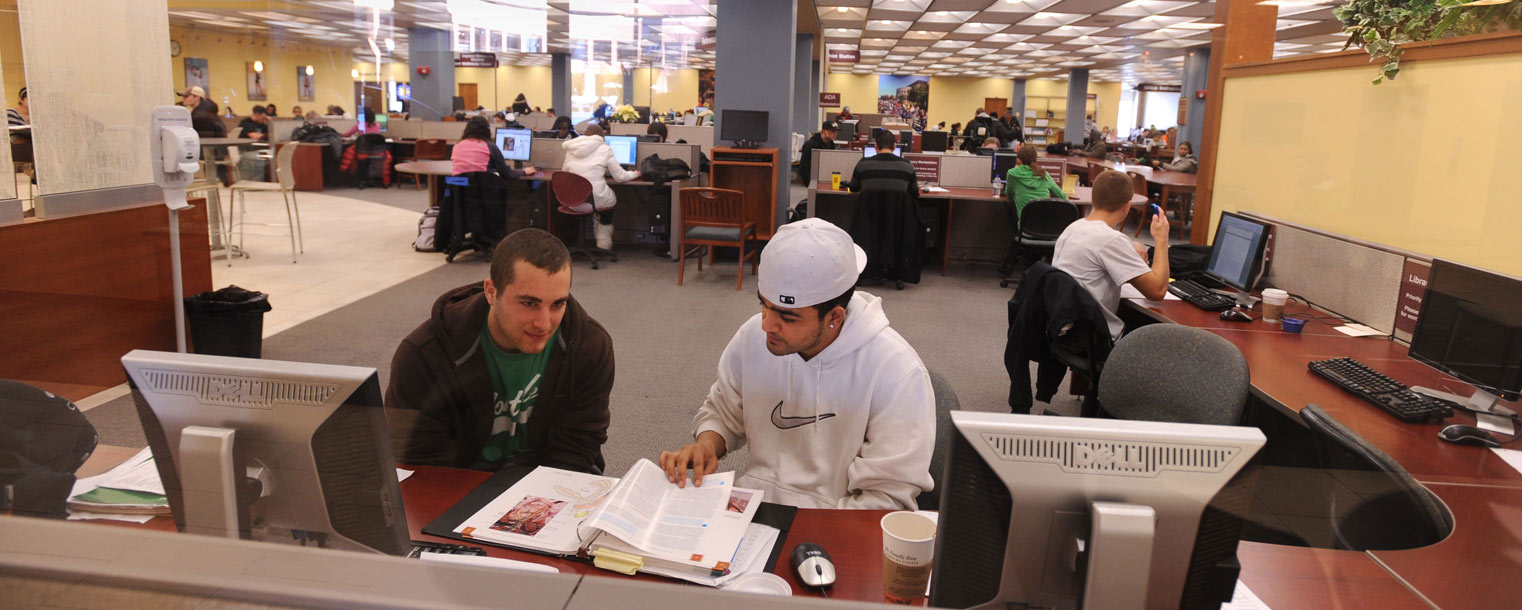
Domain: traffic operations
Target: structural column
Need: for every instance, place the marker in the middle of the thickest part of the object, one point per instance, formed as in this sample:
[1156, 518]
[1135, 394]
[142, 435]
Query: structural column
[433, 94]
[757, 41]
[560, 83]
[1196, 78]
[1078, 97]
[1247, 36]
[1017, 102]
[803, 64]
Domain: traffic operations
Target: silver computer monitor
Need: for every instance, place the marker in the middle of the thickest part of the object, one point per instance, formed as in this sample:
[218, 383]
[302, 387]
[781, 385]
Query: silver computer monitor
[625, 148]
[515, 144]
[275, 451]
[1137, 506]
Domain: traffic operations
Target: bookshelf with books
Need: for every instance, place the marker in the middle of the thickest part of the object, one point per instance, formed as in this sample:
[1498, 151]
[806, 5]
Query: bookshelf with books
[1046, 117]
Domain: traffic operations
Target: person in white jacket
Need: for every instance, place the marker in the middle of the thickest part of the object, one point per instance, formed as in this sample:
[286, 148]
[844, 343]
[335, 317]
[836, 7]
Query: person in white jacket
[836, 407]
[590, 157]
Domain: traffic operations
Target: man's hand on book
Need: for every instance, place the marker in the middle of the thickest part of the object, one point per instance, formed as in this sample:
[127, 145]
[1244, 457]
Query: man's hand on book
[702, 456]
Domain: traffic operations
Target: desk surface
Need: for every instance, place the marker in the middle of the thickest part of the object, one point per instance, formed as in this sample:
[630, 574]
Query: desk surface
[1475, 566]
[1160, 177]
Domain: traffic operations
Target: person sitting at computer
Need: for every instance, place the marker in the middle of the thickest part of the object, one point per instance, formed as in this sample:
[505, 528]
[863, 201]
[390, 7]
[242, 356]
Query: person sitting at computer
[562, 128]
[509, 371]
[1102, 258]
[845, 114]
[835, 405]
[659, 131]
[825, 140]
[990, 146]
[1095, 147]
[1183, 160]
[1027, 181]
[476, 152]
[590, 157]
[367, 123]
[885, 170]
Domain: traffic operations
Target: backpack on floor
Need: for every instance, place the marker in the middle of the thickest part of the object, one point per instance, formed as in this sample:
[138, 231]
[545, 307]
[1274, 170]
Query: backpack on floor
[425, 230]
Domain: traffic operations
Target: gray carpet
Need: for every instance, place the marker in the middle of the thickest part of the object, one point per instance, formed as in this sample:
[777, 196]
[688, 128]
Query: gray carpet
[667, 339]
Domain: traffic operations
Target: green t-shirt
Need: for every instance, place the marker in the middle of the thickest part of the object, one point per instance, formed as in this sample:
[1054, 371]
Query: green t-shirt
[515, 380]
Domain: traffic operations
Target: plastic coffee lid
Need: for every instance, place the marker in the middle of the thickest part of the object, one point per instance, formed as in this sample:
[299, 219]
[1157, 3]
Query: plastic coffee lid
[1275, 293]
[764, 583]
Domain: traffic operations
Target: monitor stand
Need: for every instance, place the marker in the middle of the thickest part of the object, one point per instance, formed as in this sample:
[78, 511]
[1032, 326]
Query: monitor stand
[1244, 300]
[1479, 402]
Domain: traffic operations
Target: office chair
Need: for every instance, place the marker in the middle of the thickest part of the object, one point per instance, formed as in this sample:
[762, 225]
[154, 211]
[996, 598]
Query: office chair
[1382, 507]
[945, 402]
[45, 439]
[1159, 373]
[1037, 228]
[715, 217]
[570, 190]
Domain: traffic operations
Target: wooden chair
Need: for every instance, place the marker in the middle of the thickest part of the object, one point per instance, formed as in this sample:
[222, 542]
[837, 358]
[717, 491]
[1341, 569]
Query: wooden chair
[430, 149]
[1139, 184]
[715, 217]
[1142, 189]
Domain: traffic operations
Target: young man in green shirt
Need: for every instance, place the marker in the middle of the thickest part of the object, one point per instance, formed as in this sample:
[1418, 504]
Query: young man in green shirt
[507, 371]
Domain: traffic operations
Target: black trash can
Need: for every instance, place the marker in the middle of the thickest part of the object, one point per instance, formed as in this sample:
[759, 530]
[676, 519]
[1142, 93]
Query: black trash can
[227, 322]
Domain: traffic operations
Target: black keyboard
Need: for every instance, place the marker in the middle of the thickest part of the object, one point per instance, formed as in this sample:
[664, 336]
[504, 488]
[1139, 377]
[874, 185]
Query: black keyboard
[1200, 296]
[1384, 392]
[419, 547]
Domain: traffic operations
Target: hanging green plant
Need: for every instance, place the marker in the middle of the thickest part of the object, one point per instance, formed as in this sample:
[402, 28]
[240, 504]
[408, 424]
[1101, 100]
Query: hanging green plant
[1381, 26]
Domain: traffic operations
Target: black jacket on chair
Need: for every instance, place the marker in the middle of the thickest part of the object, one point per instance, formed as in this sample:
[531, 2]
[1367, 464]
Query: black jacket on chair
[1056, 323]
[888, 228]
[477, 209]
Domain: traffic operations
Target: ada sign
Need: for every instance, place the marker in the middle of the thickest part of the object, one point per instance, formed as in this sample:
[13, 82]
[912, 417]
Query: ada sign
[829, 100]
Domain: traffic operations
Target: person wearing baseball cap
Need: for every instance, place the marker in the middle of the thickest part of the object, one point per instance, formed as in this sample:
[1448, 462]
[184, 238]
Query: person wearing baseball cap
[825, 139]
[836, 407]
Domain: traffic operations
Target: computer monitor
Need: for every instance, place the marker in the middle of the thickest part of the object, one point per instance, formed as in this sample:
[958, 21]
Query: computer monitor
[933, 141]
[1470, 327]
[644, 113]
[1144, 508]
[746, 128]
[624, 148]
[274, 451]
[546, 133]
[515, 144]
[871, 151]
[1003, 162]
[1236, 255]
[847, 131]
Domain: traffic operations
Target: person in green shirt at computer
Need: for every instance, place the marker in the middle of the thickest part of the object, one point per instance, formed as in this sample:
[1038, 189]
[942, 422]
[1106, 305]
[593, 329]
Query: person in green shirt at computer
[1026, 181]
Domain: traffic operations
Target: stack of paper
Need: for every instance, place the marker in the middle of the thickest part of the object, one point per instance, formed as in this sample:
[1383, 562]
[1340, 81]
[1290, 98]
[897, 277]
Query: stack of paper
[131, 491]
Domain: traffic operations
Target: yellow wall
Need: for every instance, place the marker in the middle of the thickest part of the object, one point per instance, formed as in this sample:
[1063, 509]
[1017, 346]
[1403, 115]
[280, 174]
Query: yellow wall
[10, 58]
[955, 99]
[858, 91]
[1109, 103]
[681, 89]
[227, 54]
[1425, 162]
[532, 81]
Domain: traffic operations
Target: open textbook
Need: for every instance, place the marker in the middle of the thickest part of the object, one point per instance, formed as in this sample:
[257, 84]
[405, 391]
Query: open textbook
[643, 520]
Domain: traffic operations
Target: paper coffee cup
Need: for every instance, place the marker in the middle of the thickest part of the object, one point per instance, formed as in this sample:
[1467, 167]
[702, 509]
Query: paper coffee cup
[835, 180]
[908, 548]
[1273, 304]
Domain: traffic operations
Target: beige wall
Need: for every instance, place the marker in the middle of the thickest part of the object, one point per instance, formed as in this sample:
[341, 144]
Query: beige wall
[858, 91]
[496, 88]
[226, 56]
[681, 89]
[956, 99]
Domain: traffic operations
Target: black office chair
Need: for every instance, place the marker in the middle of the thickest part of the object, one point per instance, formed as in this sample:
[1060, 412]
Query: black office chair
[44, 438]
[472, 215]
[945, 403]
[1375, 504]
[1037, 228]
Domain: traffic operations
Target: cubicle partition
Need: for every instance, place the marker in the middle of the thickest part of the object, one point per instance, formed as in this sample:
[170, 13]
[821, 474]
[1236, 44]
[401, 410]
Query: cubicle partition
[632, 218]
[444, 130]
[701, 135]
[404, 130]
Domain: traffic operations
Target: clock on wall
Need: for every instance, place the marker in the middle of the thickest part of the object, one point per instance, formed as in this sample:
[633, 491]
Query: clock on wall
[174, 48]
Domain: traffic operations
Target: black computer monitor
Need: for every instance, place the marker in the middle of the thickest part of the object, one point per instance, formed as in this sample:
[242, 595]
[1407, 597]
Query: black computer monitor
[649, 138]
[847, 131]
[1002, 164]
[624, 148]
[546, 133]
[1236, 255]
[515, 144]
[746, 128]
[1470, 327]
[1153, 505]
[285, 452]
[933, 141]
[644, 113]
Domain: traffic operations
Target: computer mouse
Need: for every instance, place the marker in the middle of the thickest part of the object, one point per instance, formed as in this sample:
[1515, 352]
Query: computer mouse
[1460, 434]
[813, 565]
[1235, 315]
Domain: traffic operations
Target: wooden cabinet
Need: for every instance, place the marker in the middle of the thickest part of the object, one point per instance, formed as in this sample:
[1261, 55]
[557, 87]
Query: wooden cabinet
[307, 165]
[755, 172]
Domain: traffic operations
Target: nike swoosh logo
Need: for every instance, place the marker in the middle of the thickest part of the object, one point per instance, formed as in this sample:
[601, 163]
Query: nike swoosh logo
[787, 423]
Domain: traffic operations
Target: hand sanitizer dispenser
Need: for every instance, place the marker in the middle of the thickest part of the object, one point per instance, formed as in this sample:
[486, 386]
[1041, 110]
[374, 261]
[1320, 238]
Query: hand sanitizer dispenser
[176, 157]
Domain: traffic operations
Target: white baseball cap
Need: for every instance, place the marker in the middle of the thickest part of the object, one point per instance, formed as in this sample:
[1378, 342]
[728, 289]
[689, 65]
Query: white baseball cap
[809, 262]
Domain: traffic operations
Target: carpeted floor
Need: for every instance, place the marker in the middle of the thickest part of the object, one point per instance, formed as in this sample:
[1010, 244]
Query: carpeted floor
[667, 339]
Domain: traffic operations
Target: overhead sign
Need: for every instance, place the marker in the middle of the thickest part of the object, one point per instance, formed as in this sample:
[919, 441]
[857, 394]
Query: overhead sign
[1159, 88]
[475, 60]
[829, 100]
[843, 56]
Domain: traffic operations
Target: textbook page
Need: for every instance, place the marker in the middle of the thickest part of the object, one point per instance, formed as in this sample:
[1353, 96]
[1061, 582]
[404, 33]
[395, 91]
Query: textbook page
[697, 526]
[542, 511]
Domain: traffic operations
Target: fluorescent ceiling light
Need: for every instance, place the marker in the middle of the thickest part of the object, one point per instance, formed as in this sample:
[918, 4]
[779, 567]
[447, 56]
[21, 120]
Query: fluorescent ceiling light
[1198, 25]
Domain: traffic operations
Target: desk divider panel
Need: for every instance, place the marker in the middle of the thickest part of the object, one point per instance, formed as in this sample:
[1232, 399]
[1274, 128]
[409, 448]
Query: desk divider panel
[408, 130]
[629, 129]
[966, 170]
[702, 135]
[828, 161]
[537, 122]
[1356, 279]
[280, 129]
[447, 130]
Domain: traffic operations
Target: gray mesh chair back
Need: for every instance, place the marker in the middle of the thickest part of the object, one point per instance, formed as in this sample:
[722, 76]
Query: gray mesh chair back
[1174, 373]
[1375, 504]
[945, 403]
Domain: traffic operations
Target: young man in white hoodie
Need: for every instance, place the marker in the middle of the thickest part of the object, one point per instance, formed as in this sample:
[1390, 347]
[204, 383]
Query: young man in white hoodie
[589, 156]
[835, 405]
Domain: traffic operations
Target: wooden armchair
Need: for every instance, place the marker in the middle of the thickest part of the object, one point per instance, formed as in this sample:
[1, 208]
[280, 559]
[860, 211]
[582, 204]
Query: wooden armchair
[715, 217]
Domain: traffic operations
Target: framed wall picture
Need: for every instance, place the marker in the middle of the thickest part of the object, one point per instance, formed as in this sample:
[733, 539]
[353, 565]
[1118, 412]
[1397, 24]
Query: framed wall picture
[196, 74]
[306, 85]
[256, 90]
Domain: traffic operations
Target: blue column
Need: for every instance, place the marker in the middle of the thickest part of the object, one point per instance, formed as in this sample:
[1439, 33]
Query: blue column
[754, 71]
[803, 64]
[1196, 77]
[432, 95]
[1078, 97]
[560, 83]
[1017, 102]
